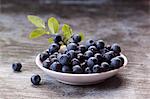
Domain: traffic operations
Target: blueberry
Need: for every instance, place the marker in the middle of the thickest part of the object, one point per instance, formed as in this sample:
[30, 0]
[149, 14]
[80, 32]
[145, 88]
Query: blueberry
[116, 48]
[54, 60]
[72, 46]
[72, 54]
[92, 61]
[46, 64]
[103, 51]
[80, 57]
[109, 55]
[100, 44]
[44, 56]
[75, 62]
[56, 53]
[88, 54]
[87, 70]
[82, 48]
[76, 38]
[99, 57]
[97, 69]
[77, 69]
[108, 47]
[35, 79]
[90, 43]
[17, 67]
[54, 48]
[105, 66]
[56, 66]
[52, 56]
[64, 59]
[122, 60]
[66, 69]
[83, 65]
[57, 38]
[93, 49]
[115, 63]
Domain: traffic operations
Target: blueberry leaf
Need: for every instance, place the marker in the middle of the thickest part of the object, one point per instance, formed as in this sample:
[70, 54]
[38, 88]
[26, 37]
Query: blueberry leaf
[82, 35]
[67, 32]
[53, 25]
[37, 21]
[50, 40]
[37, 33]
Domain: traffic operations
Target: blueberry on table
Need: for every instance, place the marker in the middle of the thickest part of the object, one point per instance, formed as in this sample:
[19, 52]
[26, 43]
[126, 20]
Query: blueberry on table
[72, 46]
[75, 61]
[64, 59]
[87, 70]
[35, 79]
[88, 54]
[105, 66]
[93, 49]
[66, 69]
[54, 48]
[116, 48]
[100, 44]
[115, 63]
[56, 66]
[46, 64]
[72, 54]
[17, 67]
[76, 38]
[44, 56]
[77, 69]
[97, 69]
[57, 38]
[90, 43]
[92, 61]
[82, 48]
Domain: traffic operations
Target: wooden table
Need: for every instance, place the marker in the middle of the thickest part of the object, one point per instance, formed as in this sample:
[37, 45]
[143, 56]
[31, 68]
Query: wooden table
[129, 26]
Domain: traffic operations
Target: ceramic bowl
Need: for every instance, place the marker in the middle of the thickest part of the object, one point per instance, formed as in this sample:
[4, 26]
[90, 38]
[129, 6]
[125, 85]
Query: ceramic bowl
[80, 79]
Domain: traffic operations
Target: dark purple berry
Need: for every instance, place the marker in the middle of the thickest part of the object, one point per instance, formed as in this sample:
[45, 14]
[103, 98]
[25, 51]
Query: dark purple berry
[82, 48]
[105, 66]
[76, 38]
[116, 48]
[100, 44]
[93, 49]
[35, 79]
[44, 56]
[97, 69]
[87, 70]
[77, 69]
[64, 59]
[75, 61]
[90, 43]
[66, 69]
[115, 63]
[81, 57]
[72, 54]
[17, 67]
[92, 61]
[56, 66]
[72, 46]
[57, 38]
[54, 48]
[88, 54]
[46, 64]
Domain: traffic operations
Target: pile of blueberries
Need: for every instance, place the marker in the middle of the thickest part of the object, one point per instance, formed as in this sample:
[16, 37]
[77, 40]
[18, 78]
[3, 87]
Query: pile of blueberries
[92, 57]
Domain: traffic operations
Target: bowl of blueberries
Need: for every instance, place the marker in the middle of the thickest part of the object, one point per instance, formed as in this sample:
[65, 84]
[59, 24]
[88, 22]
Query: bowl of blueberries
[81, 64]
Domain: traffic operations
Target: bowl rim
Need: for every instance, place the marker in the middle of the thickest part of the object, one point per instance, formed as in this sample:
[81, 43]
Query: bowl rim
[39, 64]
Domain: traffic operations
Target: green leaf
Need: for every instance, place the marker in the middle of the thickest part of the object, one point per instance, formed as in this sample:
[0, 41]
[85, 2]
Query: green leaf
[50, 40]
[67, 33]
[37, 21]
[82, 36]
[53, 25]
[37, 33]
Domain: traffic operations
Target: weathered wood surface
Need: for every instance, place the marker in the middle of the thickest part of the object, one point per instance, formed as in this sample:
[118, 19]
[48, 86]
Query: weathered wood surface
[128, 26]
